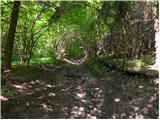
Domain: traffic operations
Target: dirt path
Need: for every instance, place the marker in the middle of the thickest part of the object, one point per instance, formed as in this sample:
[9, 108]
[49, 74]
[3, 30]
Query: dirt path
[74, 92]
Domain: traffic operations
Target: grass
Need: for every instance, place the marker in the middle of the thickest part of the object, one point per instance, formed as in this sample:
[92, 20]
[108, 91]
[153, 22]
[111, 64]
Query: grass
[44, 60]
[35, 61]
[93, 64]
[141, 63]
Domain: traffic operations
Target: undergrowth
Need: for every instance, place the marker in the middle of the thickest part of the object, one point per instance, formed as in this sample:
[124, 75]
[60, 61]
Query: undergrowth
[95, 66]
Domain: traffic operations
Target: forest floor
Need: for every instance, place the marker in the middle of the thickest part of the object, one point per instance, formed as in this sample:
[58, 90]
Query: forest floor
[69, 91]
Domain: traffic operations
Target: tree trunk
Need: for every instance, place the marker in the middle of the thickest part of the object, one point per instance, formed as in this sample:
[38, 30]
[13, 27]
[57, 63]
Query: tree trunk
[125, 39]
[156, 28]
[10, 38]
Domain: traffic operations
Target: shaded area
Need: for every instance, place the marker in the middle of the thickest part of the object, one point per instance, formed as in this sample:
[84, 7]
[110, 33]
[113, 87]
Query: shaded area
[75, 92]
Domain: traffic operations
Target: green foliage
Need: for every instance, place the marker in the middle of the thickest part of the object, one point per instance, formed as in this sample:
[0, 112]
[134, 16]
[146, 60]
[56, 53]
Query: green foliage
[74, 50]
[46, 60]
[148, 59]
[35, 61]
[136, 63]
[48, 31]
[141, 63]
[95, 65]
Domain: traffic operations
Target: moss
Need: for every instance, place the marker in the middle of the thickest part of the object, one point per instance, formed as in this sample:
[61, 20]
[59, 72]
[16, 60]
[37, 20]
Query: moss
[141, 63]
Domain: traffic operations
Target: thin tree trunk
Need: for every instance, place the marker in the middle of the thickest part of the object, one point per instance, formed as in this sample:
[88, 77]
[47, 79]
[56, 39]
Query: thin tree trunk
[125, 44]
[10, 38]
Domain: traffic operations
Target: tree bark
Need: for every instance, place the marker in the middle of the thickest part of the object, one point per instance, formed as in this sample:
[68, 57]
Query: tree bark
[125, 39]
[156, 28]
[10, 38]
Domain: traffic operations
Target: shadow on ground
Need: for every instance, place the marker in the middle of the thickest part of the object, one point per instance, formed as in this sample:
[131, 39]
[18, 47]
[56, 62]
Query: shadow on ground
[74, 92]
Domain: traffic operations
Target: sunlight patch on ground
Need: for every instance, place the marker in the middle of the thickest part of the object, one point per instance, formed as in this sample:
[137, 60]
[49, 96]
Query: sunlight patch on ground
[33, 82]
[77, 111]
[136, 108]
[135, 101]
[140, 86]
[33, 86]
[156, 81]
[46, 108]
[41, 97]
[27, 103]
[117, 99]
[39, 82]
[50, 86]
[3, 98]
[84, 101]
[51, 94]
[81, 94]
[114, 116]
[153, 98]
[138, 116]
[91, 117]
[18, 86]
[90, 103]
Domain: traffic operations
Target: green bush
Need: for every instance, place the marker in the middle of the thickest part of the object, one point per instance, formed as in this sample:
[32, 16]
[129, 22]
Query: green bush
[74, 51]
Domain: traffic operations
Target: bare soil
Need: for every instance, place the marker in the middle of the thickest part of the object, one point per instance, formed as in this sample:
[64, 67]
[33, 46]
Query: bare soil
[70, 91]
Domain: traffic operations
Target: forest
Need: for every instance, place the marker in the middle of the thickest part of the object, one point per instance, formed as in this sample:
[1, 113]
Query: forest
[86, 59]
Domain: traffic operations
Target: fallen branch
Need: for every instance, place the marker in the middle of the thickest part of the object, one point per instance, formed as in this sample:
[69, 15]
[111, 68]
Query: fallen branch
[76, 62]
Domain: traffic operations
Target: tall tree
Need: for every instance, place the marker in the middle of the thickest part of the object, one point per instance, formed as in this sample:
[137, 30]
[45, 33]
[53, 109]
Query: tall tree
[11, 34]
[156, 28]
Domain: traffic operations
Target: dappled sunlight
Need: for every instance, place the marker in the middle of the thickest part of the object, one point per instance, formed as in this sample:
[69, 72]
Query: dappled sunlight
[46, 108]
[3, 98]
[75, 94]
[153, 98]
[17, 86]
[51, 94]
[140, 87]
[156, 81]
[139, 116]
[77, 111]
[135, 101]
[136, 108]
[39, 82]
[90, 100]
[50, 86]
[81, 94]
[117, 100]
[33, 82]
[91, 59]
[41, 97]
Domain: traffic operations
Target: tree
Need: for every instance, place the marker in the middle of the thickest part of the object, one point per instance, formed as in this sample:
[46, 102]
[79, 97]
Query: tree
[11, 34]
[156, 28]
[119, 12]
[36, 20]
